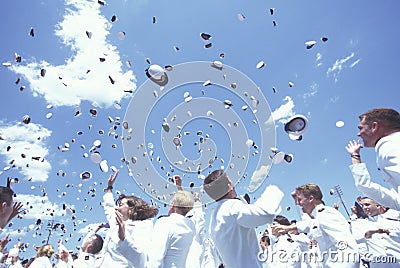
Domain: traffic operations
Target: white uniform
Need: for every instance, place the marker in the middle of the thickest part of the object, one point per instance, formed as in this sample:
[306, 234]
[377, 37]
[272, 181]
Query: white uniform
[233, 224]
[132, 252]
[41, 262]
[386, 197]
[285, 253]
[380, 247]
[330, 229]
[171, 241]
[85, 260]
[211, 258]
[388, 161]
[196, 252]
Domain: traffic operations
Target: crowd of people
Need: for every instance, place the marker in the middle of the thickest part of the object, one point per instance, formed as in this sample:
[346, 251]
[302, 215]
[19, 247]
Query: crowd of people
[320, 237]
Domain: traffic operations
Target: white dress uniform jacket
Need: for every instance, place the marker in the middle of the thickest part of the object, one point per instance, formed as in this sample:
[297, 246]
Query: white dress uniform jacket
[41, 262]
[379, 247]
[332, 233]
[233, 223]
[388, 161]
[171, 241]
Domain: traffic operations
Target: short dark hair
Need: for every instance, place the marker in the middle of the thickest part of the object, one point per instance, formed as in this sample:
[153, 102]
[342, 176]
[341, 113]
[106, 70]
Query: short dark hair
[216, 184]
[265, 238]
[97, 244]
[282, 220]
[387, 117]
[6, 195]
[310, 189]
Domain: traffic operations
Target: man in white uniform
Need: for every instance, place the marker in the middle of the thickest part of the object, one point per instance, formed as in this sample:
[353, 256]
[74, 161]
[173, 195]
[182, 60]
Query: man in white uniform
[380, 233]
[233, 222]
[327, 227]
[379, 128]
[173, 234]
[286, 252]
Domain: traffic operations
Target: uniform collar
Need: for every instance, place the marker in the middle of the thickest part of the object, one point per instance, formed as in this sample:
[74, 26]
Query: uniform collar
[318, 208]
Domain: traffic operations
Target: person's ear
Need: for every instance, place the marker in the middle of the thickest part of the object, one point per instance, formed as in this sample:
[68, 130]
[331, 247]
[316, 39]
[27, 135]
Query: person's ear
[172, 208]
[2, 206]
[230, 186]
[375, 126]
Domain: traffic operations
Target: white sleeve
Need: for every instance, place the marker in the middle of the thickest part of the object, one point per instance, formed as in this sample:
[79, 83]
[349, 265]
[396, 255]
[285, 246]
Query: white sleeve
[362, 179]
[262, 211]
[109, 208]
[159, 242]
[303, 226]
[302, 240]
[199, 222]
[358, 229]
[128, 248]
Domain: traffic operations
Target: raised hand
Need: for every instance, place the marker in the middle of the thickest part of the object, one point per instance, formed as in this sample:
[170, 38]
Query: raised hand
[111, 180]
[354, 147]
[178, 182]
[121, 226]
[16, 210]
[3, 242]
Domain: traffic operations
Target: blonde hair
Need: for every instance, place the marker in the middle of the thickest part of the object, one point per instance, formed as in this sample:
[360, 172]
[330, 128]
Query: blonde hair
[183, 200]
[45, 250]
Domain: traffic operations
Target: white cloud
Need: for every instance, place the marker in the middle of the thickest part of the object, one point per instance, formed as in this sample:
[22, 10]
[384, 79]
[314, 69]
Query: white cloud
[312, 92]
[318, 59]
[284, 111]
[24, 147]
[83, 76]
[354, 63]
[39, 207]
[90, 228]
[339, 64]
[64, 162]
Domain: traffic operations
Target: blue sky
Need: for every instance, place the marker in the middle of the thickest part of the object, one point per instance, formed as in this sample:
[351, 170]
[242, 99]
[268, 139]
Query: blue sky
[336, 80]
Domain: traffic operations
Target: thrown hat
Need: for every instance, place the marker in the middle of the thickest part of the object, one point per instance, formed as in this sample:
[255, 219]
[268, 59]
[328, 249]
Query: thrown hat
[157, 74]
[296, 126]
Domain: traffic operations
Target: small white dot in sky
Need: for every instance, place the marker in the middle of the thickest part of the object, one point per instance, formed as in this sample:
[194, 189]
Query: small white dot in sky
[339, 123]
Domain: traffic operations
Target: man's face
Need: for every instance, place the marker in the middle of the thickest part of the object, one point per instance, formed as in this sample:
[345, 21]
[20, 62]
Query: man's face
[304, 202]
[370, 207]
[86, 243]
[367, 134]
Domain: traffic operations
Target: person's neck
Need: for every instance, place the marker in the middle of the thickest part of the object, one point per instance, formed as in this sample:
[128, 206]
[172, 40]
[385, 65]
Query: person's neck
[386, 133]
[316, 203]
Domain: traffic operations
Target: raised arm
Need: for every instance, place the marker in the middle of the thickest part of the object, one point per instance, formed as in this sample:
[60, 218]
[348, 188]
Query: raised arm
[109, 206]
[262, 211]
